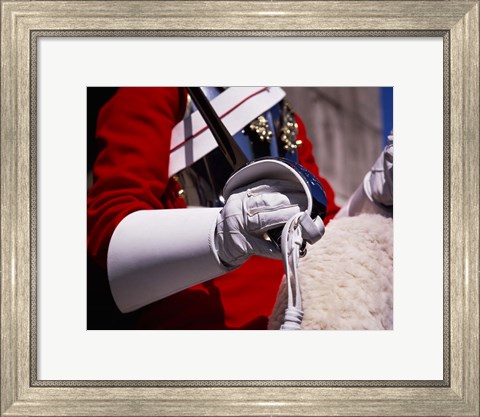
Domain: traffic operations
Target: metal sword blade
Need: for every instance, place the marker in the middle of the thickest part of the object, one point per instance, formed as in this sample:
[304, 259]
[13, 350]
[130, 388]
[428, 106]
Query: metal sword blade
[225, 140]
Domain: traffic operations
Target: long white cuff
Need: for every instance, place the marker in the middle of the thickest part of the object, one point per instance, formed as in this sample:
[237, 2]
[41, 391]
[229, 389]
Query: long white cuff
[155, 253]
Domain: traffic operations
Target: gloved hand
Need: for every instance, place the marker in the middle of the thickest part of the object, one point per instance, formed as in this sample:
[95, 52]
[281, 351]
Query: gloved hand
[249, 213]
[379, 181]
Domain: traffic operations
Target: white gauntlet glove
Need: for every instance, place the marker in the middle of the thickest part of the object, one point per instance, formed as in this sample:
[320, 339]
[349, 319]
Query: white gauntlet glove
[379, 181]
[375, 194]
[250, 212]
[156, 253]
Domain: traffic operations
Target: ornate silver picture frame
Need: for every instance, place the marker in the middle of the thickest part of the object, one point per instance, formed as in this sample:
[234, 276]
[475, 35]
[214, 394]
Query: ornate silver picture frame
[24, 22]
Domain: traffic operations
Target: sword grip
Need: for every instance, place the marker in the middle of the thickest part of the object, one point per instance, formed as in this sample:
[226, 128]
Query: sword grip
[275, 235]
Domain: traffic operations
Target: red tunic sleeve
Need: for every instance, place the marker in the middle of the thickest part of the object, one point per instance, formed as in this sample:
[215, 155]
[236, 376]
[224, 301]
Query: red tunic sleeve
[131, 170]
[305, 158]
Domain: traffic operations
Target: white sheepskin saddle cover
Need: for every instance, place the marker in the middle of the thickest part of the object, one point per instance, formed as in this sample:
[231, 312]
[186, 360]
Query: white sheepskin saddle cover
[346, 278]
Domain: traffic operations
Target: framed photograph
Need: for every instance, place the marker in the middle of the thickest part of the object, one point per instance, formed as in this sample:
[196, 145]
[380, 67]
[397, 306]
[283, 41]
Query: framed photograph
[55, 363]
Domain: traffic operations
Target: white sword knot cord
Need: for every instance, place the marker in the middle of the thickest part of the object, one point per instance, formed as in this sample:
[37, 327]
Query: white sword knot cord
[291, 245]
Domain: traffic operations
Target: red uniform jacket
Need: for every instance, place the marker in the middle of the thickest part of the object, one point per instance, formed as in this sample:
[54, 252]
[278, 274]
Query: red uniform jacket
[131, 173]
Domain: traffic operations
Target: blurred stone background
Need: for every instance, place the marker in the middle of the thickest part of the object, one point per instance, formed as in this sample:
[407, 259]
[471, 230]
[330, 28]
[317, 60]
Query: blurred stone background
[346, 127]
